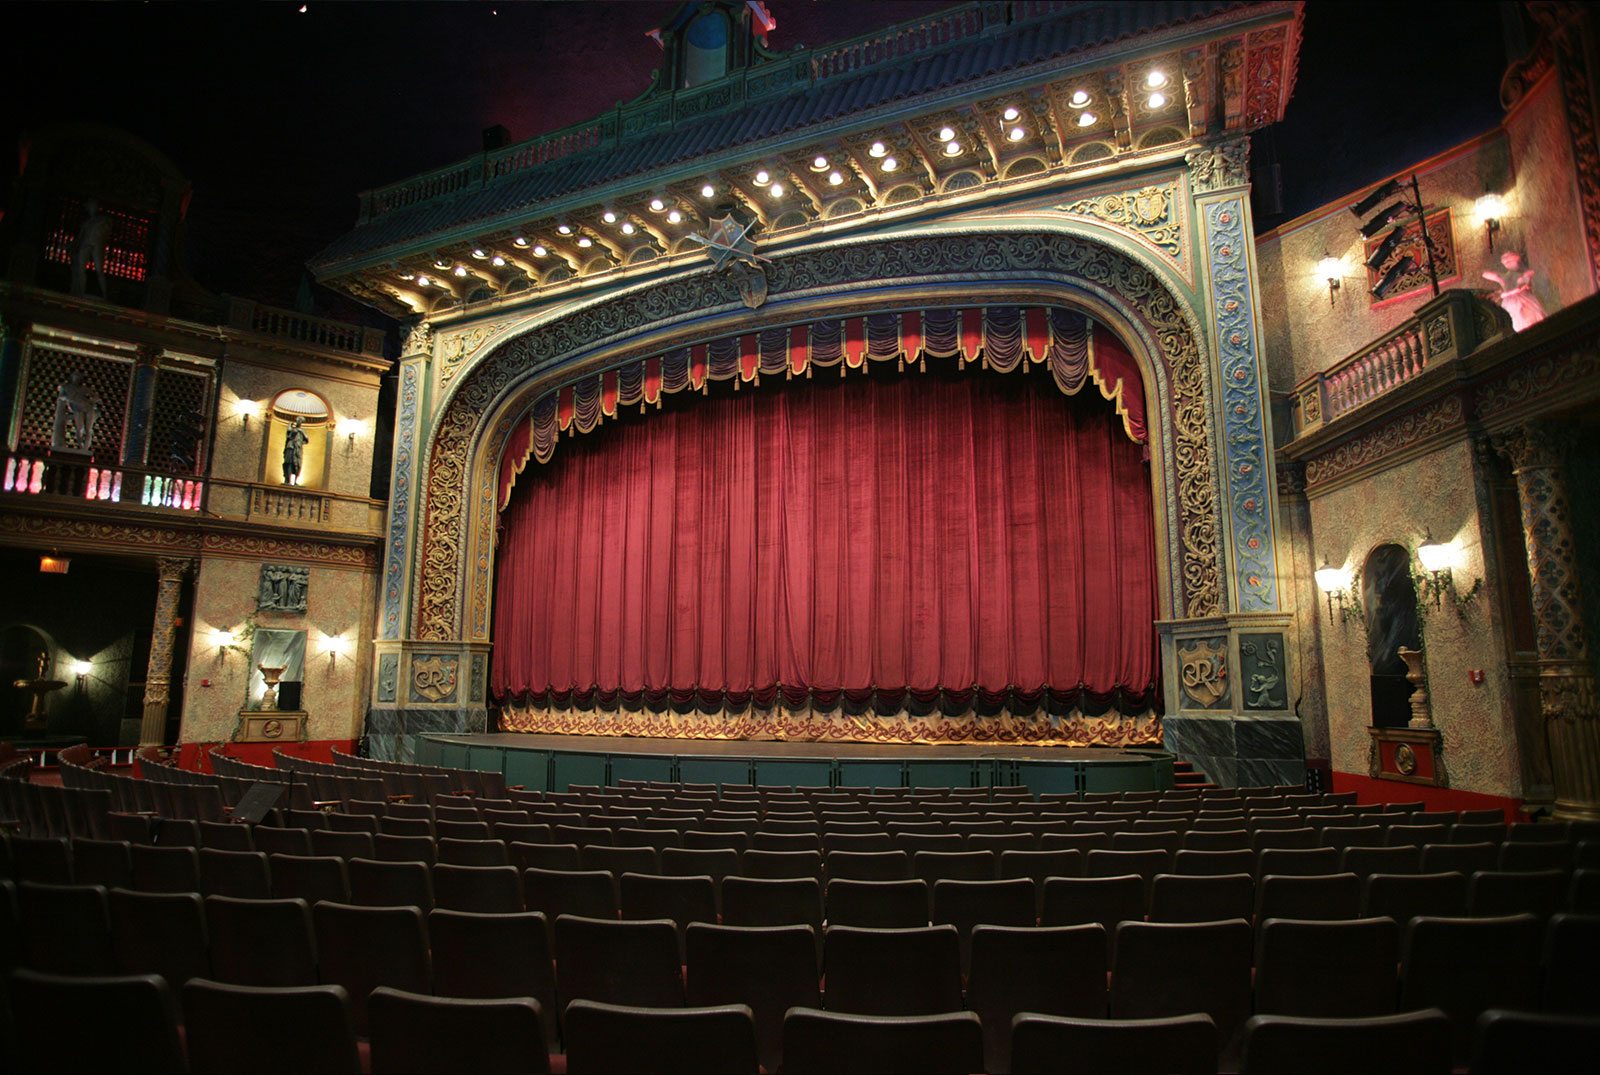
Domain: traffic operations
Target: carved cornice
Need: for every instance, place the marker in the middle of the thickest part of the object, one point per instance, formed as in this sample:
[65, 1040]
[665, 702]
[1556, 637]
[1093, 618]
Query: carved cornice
[449, 486]
[88, 536]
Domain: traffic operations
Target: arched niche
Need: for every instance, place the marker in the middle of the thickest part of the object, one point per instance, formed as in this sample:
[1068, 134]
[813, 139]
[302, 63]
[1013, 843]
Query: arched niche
[1389, 605]
[316, 422]
[449, 600]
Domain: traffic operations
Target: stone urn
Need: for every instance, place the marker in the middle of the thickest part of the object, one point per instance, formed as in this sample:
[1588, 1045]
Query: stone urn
[269, 697]
[1421, 713]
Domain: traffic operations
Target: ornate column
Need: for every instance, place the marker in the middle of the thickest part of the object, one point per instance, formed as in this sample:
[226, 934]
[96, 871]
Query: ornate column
[1567, 692]
[144, 394]
[158, 680]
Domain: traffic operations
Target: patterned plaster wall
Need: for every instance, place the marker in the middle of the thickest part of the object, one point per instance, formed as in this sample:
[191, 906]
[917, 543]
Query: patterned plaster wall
[239, 451]
[1541, 144]
[1438, 491]
[339, 604]
[1304, 333]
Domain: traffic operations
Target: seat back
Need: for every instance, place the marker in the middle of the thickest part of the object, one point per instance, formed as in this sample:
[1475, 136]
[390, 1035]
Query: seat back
[585, 893]
[488, 889]
[633, 963]
[1403, 896]
[1343, 969]
[1507, 1042]
[65, 929]
[160, 933]
[967, 904]
[1319, 897]
[1181, 1044]
[309, 877]
[1412, 1042]
[362, 948]
[770, 969]
[1057, 970]
[915, 1045]
[892, 971]
[495, 955]
[1202, 898]
[603, 1038]
[1164, 969]
[134, 1016]
[412, 1032]
[1468, 965]
[242, 1028]
[261, 942]
[877, 904]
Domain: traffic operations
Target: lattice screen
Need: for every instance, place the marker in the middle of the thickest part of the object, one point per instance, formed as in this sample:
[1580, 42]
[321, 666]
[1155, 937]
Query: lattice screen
[178, 391]
[127, 247]
[108, 378]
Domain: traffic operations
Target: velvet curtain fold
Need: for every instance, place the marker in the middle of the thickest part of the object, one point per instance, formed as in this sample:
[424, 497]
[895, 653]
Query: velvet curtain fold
[891, 542]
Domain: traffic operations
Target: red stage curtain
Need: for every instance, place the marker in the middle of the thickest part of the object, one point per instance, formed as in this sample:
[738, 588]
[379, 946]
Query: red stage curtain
[905, 541]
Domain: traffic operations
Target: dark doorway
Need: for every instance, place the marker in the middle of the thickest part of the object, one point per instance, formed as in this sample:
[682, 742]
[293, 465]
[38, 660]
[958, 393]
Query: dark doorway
[1389, 599]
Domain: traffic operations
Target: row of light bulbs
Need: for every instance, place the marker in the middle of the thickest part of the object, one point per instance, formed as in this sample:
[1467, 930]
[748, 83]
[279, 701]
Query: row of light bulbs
[1154, 81]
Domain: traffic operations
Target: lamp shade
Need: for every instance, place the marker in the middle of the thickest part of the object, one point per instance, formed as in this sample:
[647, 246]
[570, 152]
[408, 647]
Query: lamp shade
[1489, 207]
[1329, 268]
[1434, 556]
[1329, 579]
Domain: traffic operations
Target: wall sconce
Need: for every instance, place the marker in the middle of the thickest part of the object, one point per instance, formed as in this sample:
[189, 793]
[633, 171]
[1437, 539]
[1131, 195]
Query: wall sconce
[81, 669]
[1490, 210]
[1437, 560]
[1330, 269]
[221, 639]
[1332, 581]
[247, 409]
[351, 428]
[335, 646]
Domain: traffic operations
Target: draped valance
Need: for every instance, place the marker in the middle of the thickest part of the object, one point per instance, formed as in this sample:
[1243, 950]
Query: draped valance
[1076, 350]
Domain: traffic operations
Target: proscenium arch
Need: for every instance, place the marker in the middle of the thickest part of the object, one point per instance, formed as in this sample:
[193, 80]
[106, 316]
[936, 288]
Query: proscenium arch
[1057, 267]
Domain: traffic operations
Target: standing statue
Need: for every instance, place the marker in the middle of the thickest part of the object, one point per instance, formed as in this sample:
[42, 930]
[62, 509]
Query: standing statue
[294, 451]
[73, 429]
[1516, 291]
[92, 239]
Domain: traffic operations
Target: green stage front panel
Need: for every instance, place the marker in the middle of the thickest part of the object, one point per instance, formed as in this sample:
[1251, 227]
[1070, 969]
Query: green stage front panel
[568, 768]
[530, 768]
[714, 770]
[428, 752]
[944, 774]
[1050, 778]
[1136, 774]
[793, 772]
[871, 774]
[453, 755]
[640, 767]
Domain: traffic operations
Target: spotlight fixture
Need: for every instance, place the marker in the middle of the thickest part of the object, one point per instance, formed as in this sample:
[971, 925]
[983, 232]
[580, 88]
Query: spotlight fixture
[1370, 202]
[890, 164]
[1396, 213]
[1385, 248]
[539, 250]
[777, 190]
[946, 134]
[441, 263]
[521, 240]
[834, 179]
[479, 252]
[657, 205]
[564, 229]
[460, 270]
[609, 217]
[1490, 209]
[585, 242]
[627, 227]
[1087, 119]
[1156, 78]
[1079, 98]
[708, 191]
[1016, 134]
[1401, 267]
[819, 163]
[408, 276]
[1157, 100]
[1010, 115]
[674, 217]
[952, 149]
[423, 281]
[497, 261]
[763, 177]
[877, 149]
[1330, 269]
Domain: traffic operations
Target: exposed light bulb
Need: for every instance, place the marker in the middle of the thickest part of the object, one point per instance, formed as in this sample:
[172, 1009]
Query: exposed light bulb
[834, 179]
[656, 205]
[1087, 119]
[674, 217]
[878, 149]
[890, 164]
[763, 178]
[423, 281]
[707, 191]
[585, 242]
[1010, 115]
[565, 229]
[1016, 134]
[819, 163]
[497, 261]
[627, 228]
[946, 134]
[777, 190]
[952, 149]
[479, 253]
[461, 270]
[1079, 98]
[609, 217]
[1157, 100]
[521, 240]
[1155, 78]
[539, 251]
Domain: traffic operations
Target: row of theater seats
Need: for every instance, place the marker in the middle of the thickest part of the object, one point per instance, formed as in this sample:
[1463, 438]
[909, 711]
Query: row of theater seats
[1358, 968]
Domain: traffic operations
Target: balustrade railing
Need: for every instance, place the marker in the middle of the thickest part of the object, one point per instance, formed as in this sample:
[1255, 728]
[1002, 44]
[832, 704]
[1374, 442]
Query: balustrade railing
[285, 503]
[41, 475]
[303, 328]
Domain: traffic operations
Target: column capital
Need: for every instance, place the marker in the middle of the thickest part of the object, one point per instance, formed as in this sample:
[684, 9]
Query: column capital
[173, 568]
[416, 339]
[1534, 445]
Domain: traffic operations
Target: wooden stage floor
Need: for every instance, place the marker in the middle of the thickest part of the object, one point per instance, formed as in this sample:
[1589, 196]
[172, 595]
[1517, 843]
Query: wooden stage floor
[749, 748]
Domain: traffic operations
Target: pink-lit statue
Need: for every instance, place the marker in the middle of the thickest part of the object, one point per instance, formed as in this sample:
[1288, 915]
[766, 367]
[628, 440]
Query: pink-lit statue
[1516, 291]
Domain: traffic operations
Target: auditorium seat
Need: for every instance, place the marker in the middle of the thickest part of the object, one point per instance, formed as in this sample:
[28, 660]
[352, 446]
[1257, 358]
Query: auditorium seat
[764, 840]
[867, 865]
[347, 845]
[1468, 965]
[281, 841]
[160, 933]
[1464, 859]
[755, 901]
[1527, 855]
[1221, 839]
[1081, 842]
[877, 904]
[1054, 1045]
[1202, 898]
[390, 884]
[1076, 901]
[836, 1042]
[657, 840]
[1038, 865]
[495, 955]
[1514, 1042]
[1211, 863]
[165, 869]
[1569, 981]
[1583, 892]
[585, 893]
[1554, 832]
[340, 821]
[780, 864]
[619, 860]
[1296, 862]
[1500, 892]
[681, 899]
[362, 948]
[635, 963]
[1416, 834]
[1163, 840]
[453, 852]
[226, 836]
[266, 1029]
[998, 842]
[102, 862]
[93, 1023]
[1343, 969]
[389, 825]
[892, 971]
[1467, 832]
[485, 889]
[770, 969]
[546, 856]
[64, 929]
[1317, 897]
[967, 904]
[1344, 836]
[1404, 896]
[415, 1033]
[701, 839]
[245, 874]
[935, 866]
[1162, 969]
[714, 863]
[310, 877]
[1412, 1043]
[1365, 860]
[1058, 970]
[914, 842]
[261, 942]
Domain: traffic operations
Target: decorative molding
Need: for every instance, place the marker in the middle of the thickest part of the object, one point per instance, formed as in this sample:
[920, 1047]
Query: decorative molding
[1263, 675]
[317, 553]
[1203, 673]
[457, 349]
[399, 531]
[458, 442]
[92, 536]
[1151, 213]
[388, 676]
[1244, 436]
[1441, 232]
[1431, 420]
[1267, 79]
[417, 339]
[1537, 453]
[434, 677]
[1219, 167]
